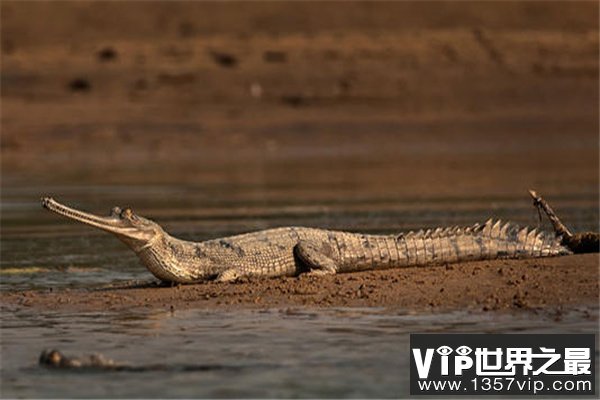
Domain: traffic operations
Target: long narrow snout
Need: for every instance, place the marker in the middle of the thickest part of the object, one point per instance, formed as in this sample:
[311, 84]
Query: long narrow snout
[113, 223]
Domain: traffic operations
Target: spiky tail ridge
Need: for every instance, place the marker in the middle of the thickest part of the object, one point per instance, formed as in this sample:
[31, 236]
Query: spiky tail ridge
[494, 239]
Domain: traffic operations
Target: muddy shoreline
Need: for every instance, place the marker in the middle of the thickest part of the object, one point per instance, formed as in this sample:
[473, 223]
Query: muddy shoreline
[553, 285]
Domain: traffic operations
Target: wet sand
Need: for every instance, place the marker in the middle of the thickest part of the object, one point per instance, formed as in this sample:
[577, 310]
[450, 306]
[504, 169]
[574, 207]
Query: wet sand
[548, 285]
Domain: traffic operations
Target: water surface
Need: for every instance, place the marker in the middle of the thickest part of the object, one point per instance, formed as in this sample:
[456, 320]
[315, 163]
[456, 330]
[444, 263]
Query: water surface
[271, 353]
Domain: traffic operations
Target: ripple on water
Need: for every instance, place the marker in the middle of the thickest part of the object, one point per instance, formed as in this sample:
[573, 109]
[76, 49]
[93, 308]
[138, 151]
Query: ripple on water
[270, 353]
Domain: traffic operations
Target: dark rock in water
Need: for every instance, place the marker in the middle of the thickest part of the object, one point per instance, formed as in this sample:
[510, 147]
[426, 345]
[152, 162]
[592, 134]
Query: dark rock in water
[224, 59]
[107, 54]
[80, 85]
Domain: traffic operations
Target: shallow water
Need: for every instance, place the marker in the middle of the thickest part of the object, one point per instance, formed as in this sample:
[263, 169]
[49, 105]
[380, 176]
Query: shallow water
[269, 353]
[272, 353]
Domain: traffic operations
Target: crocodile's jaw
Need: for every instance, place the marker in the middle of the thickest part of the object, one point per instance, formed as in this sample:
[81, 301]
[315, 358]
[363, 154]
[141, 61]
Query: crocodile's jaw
[133, 230]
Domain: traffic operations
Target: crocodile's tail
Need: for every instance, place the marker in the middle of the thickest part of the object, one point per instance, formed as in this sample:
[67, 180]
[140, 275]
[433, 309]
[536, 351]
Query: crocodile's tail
[512, 241]
[495, 239]
[586, 242]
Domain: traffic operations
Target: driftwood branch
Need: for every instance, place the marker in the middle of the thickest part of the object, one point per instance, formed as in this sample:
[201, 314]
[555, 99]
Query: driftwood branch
[586, 242]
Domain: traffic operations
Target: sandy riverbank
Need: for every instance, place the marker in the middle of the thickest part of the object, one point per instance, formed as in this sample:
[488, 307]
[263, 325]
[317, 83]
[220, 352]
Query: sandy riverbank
[551, 284]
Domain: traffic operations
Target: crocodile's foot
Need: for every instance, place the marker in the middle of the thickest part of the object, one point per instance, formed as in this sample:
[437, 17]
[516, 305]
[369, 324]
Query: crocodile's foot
[229, 275]
[317, 257]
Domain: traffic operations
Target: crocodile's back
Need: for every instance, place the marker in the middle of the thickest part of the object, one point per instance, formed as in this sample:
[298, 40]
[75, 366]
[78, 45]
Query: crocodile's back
[267, 253]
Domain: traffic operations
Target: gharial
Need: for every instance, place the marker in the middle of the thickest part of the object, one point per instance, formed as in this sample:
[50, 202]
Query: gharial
[290, 251]
[97, 362]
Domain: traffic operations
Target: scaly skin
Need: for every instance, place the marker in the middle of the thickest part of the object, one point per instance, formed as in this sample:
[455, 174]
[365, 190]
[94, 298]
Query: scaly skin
[290, 251]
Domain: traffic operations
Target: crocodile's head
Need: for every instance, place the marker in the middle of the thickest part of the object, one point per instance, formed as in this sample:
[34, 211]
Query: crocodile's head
[137, 232]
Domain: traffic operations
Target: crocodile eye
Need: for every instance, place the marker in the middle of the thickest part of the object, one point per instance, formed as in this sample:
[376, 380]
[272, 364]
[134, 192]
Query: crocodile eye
[126, 213]
[464, 350]
[444, 350]
[54, 358]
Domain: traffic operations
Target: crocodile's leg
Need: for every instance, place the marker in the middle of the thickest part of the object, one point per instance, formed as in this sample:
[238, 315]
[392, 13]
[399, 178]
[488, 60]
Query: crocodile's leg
[316, 257]
[229, 275]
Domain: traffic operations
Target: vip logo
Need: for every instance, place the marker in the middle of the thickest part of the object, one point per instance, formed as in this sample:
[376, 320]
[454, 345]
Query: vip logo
[461, 360]
[503, 362]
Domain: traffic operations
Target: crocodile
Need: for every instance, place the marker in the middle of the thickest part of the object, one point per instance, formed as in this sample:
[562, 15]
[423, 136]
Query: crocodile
[290, 251]
[54, 359]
